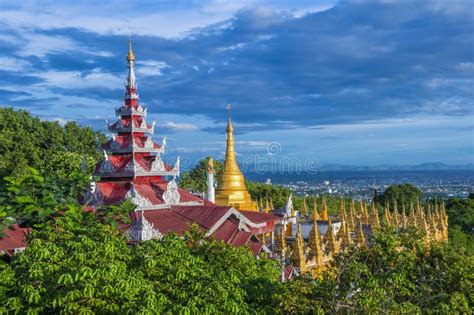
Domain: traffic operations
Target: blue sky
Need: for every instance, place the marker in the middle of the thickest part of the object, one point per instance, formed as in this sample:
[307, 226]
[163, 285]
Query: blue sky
[353, 82]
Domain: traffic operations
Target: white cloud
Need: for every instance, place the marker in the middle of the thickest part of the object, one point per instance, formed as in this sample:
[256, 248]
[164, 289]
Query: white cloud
[79, 80]
[13, 64]
[150, 67]
[178, 127]
[39, 45]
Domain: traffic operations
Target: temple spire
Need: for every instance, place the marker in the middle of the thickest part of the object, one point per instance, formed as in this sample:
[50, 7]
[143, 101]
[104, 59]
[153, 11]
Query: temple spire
[130, 55]
[374, 218]
[131, 67]
[315, 248]
[324, 209]
[331, 245]
[231, 190]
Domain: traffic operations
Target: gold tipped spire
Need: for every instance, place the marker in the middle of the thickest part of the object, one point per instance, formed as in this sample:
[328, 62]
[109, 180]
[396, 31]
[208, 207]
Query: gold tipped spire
[297, 257]
[304, 208]
[374, 218]
[282, 242]
[395, 219]
[359, 234]
[404, 217]
[351, 217]
[332, 245]
[314, 244]
[130, 55]
[315, 211]
[231, 190]
[411, 217]
[324, 209]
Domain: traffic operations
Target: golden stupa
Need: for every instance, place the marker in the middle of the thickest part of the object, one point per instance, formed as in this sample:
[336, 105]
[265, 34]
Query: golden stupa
[231, 190]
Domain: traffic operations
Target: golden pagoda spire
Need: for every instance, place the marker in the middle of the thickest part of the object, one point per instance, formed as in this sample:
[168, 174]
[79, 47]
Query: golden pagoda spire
[374, 218]
[130, 55]
[343, 234]
[426, 229]
[441, 230]
[444, 214]
[304, 208]
[436, 212]
[314, 243]
[433, 228]
[404, 217]
[231, 190]
[411, 217]
[359, 234]
[315, 211]
[332, 245]
[395, 220]
[324, 209]
[297, 256]
[387, 218]
[267, 205]
[351, 217]
[282, 242]
[364, 216]
[419, 212]
[342, 209]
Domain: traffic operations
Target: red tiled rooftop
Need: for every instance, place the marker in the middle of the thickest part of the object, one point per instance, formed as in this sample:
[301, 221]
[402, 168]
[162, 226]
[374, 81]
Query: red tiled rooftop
[259, 217]
[13, 237]
[206, 216]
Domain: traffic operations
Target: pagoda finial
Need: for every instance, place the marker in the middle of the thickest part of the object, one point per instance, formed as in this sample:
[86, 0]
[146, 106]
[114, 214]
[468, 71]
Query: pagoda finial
[130, 55]
[324, 209]
[229, 128]
[131, 67]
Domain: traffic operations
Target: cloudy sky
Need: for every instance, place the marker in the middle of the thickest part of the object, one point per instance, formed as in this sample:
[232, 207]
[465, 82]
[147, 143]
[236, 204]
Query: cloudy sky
[354, 82]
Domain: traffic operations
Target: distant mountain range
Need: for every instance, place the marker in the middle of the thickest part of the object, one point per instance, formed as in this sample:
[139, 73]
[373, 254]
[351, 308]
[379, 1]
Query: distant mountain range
[387, 167]
[435, 166]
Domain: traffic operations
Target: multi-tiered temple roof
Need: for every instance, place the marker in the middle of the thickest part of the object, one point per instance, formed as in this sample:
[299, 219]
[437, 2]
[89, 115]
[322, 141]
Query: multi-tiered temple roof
[132, 167]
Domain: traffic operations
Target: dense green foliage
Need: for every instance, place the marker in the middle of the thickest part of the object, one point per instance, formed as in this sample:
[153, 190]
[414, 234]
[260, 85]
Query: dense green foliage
[78, 265]
[403, 194]
[461, 222]
[82, 264]
[27, 141]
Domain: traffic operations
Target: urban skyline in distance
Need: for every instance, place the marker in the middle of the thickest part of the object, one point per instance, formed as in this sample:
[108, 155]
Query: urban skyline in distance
[341, 82]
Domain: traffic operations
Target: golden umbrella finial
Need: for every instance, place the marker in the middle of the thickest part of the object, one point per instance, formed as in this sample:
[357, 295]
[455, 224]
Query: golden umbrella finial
[130, 55]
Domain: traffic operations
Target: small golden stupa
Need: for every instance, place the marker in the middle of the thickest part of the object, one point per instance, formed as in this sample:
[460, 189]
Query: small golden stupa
[231, 190]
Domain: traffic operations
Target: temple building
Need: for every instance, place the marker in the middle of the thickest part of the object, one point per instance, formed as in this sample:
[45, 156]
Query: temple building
[303, 241]
[133, 169]
[231, 190]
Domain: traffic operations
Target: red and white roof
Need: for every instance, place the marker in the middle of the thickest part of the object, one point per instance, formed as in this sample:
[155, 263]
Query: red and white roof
[13, 240]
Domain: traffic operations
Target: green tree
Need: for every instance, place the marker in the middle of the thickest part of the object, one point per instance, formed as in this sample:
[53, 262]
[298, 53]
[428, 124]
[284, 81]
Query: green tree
[84, 265]
[403, 194]
[30, 199]
[195, 179]
[27, 141]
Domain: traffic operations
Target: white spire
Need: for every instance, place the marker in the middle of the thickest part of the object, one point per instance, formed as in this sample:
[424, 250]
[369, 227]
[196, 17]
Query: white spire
[131, 67]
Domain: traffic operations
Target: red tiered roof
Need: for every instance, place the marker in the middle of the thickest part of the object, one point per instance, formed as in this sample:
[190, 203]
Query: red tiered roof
[14, 238]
